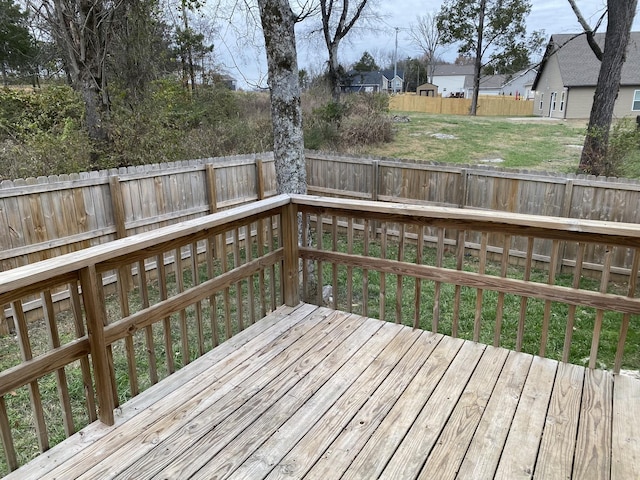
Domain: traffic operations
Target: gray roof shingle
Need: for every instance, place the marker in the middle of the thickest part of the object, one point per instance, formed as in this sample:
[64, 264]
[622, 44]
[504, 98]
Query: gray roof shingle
[579, 66]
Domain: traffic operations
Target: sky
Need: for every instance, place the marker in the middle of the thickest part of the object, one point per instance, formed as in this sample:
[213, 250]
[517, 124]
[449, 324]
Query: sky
[246, 61]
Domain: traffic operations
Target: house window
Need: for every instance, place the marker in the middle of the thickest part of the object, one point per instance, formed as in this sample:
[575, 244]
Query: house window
[636, 100]
[562, 101]
[553, 101]
[541, 101]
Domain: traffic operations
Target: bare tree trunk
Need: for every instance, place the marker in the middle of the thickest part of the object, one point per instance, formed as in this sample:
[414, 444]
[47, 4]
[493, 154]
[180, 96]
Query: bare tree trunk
[334, 77]
[81, 30]
[594, 153]
[473, 110]
[286, 113]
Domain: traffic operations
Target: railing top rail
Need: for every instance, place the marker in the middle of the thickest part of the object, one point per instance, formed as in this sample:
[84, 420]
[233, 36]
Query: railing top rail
[29, 274]
[526, 225]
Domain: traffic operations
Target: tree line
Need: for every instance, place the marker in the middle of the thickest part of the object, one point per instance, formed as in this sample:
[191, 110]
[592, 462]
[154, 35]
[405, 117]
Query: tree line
[131, 42]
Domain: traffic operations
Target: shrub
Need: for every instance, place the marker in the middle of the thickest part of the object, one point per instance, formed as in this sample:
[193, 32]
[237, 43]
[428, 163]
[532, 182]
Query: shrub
[623, 153]
[361, 119]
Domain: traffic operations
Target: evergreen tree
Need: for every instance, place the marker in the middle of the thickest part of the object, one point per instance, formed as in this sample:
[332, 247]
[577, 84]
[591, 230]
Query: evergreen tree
[17, 46]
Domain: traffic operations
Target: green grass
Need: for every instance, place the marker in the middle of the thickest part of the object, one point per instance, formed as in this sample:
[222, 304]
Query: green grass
[527, 143]
[584, 316]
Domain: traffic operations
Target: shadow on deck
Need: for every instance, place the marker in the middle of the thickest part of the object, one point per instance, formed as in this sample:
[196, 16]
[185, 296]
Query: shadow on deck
[310, 392]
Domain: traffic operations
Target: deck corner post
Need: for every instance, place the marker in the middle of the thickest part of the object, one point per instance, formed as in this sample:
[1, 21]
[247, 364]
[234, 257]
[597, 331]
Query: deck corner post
[291, 254]
[97, 344]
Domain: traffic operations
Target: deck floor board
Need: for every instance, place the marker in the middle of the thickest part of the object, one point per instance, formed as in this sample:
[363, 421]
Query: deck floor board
[314, 393]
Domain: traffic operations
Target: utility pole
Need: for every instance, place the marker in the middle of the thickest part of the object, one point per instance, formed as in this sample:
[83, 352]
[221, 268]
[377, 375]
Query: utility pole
[395, 62]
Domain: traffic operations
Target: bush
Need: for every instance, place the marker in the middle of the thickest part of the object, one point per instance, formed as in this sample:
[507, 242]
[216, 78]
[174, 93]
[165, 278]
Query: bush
[623, 153]
[361, 119]
[41, 133]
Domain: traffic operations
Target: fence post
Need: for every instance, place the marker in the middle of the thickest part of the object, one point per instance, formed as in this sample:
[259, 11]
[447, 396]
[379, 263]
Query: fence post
[375, 190]
[259, 179]
[117, 203]
[291, 254]
[462, 192]
[567, 200]
[211, 187]
[98, 348]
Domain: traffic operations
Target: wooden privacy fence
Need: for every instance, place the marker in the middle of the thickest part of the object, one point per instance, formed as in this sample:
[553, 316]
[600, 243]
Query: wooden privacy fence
[488, 105]
[47, 217]
[183, 289]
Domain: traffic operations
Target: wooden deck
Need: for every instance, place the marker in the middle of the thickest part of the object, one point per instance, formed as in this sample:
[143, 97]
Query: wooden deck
[310, 392]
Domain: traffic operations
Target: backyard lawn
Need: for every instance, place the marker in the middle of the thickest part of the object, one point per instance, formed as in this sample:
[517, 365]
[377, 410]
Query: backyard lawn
[530, 143]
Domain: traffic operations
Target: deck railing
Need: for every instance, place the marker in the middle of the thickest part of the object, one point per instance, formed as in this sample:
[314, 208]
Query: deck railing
[84, 343]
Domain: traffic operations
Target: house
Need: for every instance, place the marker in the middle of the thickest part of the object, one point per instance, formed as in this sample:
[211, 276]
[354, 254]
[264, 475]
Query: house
[520, 84]
[490, 85]
[370, 82]
[517, 85]
[453, 80]
[427, 90]
[566, 81]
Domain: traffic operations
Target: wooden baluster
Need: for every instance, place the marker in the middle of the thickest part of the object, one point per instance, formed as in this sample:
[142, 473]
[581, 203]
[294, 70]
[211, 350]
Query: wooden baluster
[61, 376]
[399, 277]
[480, 292]
[248, 252]
[123, 298]
[34, 390]
[504, 264]
[458, 289]
[553, 265]
[383, 277]
[349, 268]
[198, 306]
[166, 321]
[597, 327]
[365, 272]
[213, 306]
[85, 367]
[148, 330]
[7, 439]
[626, 318]
[418, 281]
[236, 263]
[523, 300]
[319, 247]
[437, 286]
[334, 266]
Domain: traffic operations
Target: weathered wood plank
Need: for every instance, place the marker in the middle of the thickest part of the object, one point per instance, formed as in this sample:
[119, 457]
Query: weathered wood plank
[593, 445]
[415, 446]
[521, 448]
[557, 448]
[318, 432]
[447, 454]
[625, 448]
[249, 423]
[482, 457]
[265, 340]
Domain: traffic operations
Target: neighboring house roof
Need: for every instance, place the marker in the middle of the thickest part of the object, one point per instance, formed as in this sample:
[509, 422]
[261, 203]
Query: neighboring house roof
[365, 78]
[579, 66]
[492, 81]
[448, 70]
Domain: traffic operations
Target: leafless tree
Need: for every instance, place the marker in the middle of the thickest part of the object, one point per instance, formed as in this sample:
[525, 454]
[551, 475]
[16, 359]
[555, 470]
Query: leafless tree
[338, 20]
[426, 36]
[82, 29]
[620, 15]
[278, 22]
